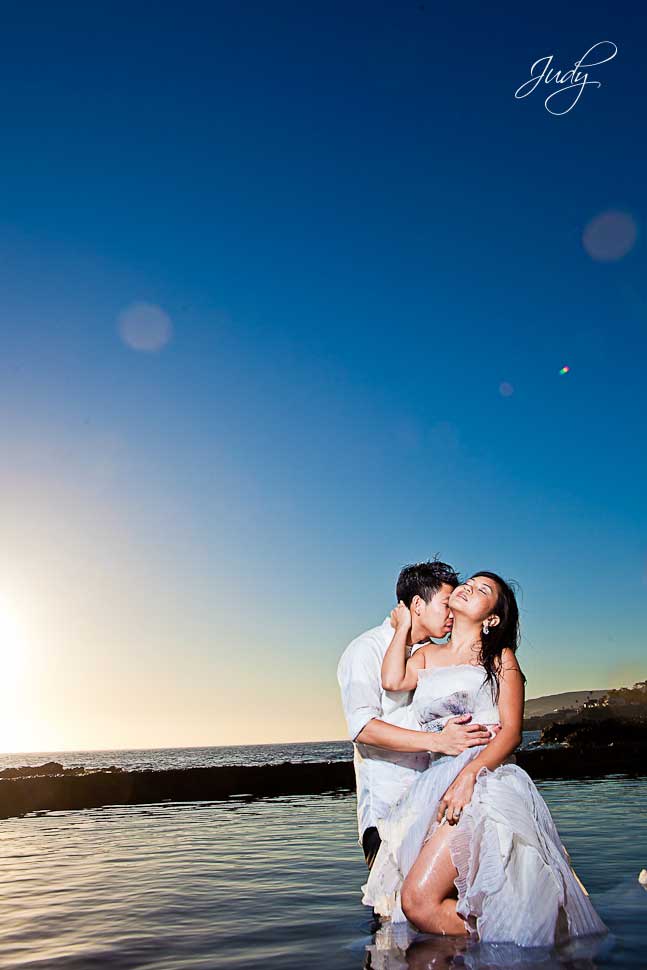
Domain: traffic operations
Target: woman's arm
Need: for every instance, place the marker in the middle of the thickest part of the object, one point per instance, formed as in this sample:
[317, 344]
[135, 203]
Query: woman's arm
[398, 673]
[511, 697]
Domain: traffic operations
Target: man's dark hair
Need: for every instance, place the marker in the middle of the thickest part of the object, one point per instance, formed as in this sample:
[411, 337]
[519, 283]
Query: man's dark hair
[424, 579]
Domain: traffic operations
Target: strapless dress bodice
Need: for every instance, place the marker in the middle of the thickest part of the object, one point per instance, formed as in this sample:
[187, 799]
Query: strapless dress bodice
[445, 692]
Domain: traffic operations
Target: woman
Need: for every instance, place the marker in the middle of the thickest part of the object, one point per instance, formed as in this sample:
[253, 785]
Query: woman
[471, 848]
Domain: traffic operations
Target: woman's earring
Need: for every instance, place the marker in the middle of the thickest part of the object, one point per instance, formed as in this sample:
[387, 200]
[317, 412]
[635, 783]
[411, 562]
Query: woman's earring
[486, 629]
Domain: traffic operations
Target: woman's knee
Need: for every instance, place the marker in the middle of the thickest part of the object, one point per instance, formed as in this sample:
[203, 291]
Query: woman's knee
[419, 907]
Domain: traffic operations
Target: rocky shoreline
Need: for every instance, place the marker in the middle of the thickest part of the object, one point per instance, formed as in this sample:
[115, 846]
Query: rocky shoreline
[598, 751]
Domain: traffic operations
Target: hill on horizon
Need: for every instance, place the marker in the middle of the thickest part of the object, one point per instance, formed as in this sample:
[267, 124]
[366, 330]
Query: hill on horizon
[571, 700]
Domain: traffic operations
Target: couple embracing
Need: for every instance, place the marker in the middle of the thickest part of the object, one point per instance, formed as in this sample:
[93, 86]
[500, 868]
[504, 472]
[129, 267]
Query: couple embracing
[456, 836]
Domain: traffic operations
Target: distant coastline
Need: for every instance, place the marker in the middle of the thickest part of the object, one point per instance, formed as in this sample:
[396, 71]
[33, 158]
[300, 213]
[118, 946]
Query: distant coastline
[567, 700]
[591, 705]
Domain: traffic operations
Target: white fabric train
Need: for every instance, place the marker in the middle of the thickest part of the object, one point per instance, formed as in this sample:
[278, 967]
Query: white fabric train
[515, 882]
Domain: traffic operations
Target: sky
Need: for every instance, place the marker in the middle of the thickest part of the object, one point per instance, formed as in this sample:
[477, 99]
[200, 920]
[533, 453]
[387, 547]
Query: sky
[286, 293]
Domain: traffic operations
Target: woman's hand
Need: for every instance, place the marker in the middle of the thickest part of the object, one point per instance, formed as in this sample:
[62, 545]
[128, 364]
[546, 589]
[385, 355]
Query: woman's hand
[401, 618]
[458, 795]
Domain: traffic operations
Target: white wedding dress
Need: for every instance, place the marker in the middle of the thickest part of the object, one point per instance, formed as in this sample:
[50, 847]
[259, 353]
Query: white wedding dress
[515, 883]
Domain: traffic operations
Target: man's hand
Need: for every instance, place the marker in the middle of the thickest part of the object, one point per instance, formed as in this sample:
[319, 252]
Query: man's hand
[458, 735]
[401, 617]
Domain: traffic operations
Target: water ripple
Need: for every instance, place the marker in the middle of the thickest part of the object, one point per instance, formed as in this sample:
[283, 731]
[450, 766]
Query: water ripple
[271, 884]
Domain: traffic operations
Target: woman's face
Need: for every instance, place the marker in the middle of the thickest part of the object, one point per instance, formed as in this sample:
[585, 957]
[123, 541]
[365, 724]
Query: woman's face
[475, 598]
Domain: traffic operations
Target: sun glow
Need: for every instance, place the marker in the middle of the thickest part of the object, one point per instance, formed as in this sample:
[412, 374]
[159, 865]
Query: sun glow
[13, 668]
[12, 646]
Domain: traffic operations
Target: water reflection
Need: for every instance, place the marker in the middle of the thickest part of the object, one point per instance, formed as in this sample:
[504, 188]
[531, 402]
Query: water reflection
[624, 905]
[403, 950]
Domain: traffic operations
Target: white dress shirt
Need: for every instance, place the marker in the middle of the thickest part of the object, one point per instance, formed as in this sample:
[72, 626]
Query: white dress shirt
[382, 775]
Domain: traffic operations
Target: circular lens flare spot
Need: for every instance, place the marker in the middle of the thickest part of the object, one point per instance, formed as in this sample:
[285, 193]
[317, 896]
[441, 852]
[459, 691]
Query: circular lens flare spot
[610, 236]
[144, 326]
[506, 389]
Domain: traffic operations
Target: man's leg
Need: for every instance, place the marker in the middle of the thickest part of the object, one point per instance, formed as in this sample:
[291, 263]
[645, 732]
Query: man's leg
[371, 843]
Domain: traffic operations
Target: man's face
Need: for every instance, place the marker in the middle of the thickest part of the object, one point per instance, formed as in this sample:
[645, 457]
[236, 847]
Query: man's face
[435, 616]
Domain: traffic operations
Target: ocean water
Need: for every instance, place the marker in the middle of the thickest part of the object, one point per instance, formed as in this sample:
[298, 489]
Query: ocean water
[161, 758]
[203, 757]
[275, 884]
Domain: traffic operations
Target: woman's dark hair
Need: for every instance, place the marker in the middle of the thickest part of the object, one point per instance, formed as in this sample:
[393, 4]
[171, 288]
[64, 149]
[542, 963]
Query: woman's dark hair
[505, 634]
[423, 579]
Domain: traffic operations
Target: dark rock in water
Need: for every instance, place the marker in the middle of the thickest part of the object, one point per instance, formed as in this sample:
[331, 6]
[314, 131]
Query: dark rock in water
[51, 769]
[588, 734]
[61, 789]
[28, 771]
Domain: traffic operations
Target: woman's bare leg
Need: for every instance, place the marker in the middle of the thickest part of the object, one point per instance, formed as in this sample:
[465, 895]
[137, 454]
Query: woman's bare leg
[428, 892]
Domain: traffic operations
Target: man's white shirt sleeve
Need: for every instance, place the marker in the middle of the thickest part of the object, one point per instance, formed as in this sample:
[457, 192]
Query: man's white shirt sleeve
[359, 676]
[383, 775]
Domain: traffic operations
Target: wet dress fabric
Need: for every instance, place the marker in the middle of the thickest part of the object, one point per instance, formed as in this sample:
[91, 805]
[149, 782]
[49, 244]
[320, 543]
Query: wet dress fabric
[515, 882]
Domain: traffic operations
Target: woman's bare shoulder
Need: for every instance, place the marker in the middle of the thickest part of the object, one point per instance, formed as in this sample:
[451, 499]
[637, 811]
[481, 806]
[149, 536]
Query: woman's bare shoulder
[508, 661]
[431, 652]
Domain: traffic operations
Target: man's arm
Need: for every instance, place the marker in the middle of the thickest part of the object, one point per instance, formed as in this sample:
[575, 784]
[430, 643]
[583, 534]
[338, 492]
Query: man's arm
[359, 676]
[456, 736]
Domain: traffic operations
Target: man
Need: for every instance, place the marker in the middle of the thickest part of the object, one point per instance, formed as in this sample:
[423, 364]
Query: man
[387, 754]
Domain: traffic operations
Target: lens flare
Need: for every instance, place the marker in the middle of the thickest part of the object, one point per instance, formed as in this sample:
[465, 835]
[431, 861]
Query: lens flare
[145, 327]
[610, 236]
[565, 370]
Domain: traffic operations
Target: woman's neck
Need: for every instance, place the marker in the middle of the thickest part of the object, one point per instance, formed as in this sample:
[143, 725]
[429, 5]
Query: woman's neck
[465, 637]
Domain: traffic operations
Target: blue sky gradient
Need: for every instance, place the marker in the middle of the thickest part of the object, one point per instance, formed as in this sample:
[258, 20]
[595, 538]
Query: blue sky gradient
[358, 235]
